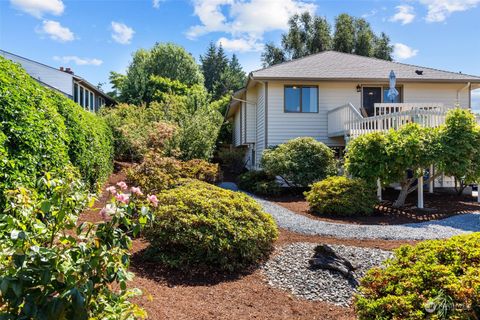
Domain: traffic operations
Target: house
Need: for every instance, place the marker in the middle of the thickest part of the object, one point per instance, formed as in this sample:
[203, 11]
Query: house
[64, 81]
[335, 96]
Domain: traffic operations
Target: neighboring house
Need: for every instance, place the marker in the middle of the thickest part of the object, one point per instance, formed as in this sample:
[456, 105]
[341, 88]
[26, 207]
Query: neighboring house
[64, 81]
[334, 96]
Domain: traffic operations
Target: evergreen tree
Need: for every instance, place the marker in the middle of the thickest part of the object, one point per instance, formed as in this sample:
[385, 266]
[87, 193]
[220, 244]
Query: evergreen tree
[344, 37]
[364, 38]
[383, 49]
[209, 66]
[232, 79]
[272, 55]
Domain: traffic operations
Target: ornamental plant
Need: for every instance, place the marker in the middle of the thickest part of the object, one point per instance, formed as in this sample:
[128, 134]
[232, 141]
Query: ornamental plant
[157, 173]
[342, 196]
[436, 279]
[300, 162]
[259, 183]
[201, 227]
[53, 268]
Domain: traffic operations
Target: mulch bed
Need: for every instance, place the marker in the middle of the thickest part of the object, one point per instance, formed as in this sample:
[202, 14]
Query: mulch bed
[438, 205]
[176, 295]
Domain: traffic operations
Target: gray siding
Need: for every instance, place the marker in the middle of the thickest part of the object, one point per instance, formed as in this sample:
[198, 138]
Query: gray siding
[445, 93]
[260, 125]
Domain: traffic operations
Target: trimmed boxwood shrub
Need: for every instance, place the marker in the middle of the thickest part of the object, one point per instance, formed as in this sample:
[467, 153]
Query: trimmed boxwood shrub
[39, 130]
[442, 275]
[157, 173]
[199, 226]
[341, 196]
[259, 182]
[300, 162]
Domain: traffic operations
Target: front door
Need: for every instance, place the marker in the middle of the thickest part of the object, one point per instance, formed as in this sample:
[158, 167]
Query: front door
[371, 95]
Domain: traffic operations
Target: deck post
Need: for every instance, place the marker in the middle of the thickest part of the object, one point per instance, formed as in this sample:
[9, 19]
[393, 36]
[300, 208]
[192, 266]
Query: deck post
[379, 190]
[478, 193]
[420, 192]
[431, 184]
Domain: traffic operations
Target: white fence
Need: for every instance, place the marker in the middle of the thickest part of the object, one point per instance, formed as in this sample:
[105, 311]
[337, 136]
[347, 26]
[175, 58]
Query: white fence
[338, 117]
[387, 108]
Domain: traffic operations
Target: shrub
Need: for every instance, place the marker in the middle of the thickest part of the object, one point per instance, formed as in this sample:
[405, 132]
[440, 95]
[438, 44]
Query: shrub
[43, 131]
[90, 146]
[259, 182]
[53, 268]
[157, 173]
[342, 196]
[201, 226]
[233, 159]
[441, 273]
[300, 161]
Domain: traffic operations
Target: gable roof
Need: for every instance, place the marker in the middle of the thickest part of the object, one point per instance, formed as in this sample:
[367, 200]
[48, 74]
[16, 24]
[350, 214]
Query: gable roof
[332, 65]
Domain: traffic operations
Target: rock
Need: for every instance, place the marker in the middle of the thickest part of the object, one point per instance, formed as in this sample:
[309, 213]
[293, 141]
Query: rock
[229, 186]
[326, 258]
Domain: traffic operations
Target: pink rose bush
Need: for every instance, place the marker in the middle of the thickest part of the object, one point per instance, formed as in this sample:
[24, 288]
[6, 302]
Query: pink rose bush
[129, 206]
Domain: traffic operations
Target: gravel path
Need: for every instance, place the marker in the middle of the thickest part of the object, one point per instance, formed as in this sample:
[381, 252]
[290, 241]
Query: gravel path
[438, 229]
[290, 270]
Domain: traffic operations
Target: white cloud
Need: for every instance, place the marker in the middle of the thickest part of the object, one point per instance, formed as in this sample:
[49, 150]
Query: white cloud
[439, 10]
[405, 14]
[369, 14]
[56, 31]
[402, 51]
[245, 21]
[79, 61]
[240, 45]
[38, 8]
[156, 3]
[122, 33]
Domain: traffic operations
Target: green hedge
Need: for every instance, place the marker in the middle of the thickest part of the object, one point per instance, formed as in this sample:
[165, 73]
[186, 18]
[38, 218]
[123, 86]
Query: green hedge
[440, 275]
[42, 131]
[199, 226]
[342, 196]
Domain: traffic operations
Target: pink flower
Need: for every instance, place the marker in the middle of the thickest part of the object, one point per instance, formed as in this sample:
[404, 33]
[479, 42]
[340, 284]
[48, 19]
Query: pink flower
[123, 198]
[106, 211]
[122, 185]
[112, 190]
[153, 199]
[137, 191]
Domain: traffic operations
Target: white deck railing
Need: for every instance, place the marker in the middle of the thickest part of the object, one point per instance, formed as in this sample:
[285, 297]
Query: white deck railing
[338, 117]
[385, 122]
[387, 108]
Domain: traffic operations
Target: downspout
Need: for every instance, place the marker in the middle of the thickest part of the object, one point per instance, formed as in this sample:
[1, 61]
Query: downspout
[461, 89]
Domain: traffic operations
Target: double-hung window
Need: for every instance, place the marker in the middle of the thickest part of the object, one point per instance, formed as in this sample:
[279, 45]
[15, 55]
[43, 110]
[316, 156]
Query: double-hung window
[301, 99]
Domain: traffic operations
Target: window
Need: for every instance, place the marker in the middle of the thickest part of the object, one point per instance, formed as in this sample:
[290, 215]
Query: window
[92, 105]
[301, 99]
[82, 101]
[87, 104]
[75, 92]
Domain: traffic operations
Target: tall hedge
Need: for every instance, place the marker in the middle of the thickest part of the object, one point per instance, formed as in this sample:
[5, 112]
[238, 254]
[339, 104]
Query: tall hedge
[41, 130]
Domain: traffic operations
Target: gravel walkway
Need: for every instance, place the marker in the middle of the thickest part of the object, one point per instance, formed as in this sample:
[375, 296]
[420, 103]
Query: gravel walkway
[290, 270]
[438, 229]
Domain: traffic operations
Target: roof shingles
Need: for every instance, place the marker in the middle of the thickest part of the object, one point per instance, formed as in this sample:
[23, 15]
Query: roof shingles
[330, 65]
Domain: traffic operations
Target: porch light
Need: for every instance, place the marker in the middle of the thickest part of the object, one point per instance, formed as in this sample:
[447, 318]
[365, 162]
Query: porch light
[359, 88]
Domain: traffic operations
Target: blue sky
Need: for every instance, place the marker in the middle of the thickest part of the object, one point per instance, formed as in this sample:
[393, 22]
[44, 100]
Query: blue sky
[96, 37]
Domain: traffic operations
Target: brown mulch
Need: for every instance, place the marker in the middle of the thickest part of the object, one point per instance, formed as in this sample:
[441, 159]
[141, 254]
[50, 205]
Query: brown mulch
[439, 205]
[177, 295]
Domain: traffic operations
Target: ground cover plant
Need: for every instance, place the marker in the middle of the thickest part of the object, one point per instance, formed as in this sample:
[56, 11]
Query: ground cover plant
[436, 279]
[342, 196]
[199, 226]
[43, 131]
[300, 162]
[53, 268]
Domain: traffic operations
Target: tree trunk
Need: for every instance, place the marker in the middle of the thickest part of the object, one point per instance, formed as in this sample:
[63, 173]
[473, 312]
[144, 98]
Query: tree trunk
[400, 202]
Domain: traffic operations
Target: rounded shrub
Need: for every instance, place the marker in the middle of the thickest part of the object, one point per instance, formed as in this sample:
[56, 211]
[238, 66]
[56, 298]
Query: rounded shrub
[199, 226]
[259, 182]
[157, 173]
[341, 196]
[300, 161]
[441, 276]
